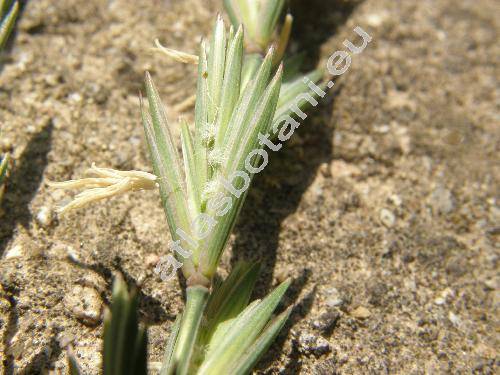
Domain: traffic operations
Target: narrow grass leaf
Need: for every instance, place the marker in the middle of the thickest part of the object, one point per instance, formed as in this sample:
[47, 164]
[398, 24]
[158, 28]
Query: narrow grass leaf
[297, 95]
[111, 329]
[249, 359]
[242, 333]
[167, 363]
[221, 330]
[230, 36]
[139, 363]
[127, 340]
[3, 167]
[7, 23]
[159, 168]
[291, 89]
[163, 137]
[124, 344]
[73, 367]
[5, 5]
[188, 333]
[286, 31]
[231, 297]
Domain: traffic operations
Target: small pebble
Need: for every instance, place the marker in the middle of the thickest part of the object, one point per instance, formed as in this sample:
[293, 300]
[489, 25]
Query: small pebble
[72, 254]
[334, 302]
[361, 313]
[94, 281]
[396, 200]
[376, 19]
[51, 79]
[439, 301]
[14, 252]
[387, 218]
[454, 319]
[491, 284]
[85, 304]
[445, 294]
[382, 129]
[327, 321]
[410, 284]
[65, 340]
[315, 345]
[75, 97]
[44, 216]
[442, 201]
[334, 298]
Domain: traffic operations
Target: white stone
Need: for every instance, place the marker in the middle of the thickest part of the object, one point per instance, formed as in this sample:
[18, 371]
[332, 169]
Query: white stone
[376, 19]
[396, 200]
[44, 216]
[361, 313]
[387, 217]
[454, 319]
[75, 97]
[14, 252]
[439, 301]
[72, 254]
[442, 201]
[334, 298]
[85, 304]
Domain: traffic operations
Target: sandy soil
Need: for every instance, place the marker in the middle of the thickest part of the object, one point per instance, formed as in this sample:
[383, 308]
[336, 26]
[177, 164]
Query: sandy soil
[383, 207]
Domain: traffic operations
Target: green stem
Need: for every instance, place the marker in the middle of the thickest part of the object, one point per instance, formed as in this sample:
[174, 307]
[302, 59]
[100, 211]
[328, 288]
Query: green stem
[197, 297]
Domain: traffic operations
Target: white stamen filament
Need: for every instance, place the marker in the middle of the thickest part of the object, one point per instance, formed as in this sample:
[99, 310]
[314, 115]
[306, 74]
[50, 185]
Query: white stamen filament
[108, 183]
[183, 57]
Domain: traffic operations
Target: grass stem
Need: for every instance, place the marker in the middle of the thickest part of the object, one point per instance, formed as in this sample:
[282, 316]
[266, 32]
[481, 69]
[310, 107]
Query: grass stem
[197, 297]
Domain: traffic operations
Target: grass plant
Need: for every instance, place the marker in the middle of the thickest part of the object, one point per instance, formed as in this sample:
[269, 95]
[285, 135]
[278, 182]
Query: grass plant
[243, 88]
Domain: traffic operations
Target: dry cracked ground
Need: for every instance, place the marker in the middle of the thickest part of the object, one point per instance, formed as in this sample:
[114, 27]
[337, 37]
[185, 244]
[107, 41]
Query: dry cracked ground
[383, 207]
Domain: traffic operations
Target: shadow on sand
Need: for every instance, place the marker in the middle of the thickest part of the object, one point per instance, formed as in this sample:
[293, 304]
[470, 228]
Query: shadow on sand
[22, 184]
